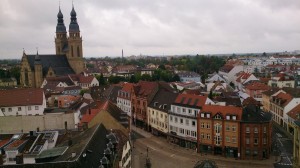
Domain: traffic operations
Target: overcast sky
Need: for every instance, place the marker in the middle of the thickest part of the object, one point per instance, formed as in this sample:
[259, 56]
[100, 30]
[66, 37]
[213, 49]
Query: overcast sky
[153, 27]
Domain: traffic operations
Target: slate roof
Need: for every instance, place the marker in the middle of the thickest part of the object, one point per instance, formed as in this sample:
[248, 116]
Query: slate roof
[271, 91]
[255, 114]
[59, 64]
[112, 93]
[163, 97]
[21, 97]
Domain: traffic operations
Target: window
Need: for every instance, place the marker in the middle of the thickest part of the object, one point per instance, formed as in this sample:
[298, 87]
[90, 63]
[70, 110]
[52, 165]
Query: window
[265, 129]
[202, 135]
[175, 119]
[227, 127]
[233, 139]
[255, 153]
[208, 126]
[247, 129]
[183, 110]
[208, 136]
[187, 122]
[181, 130]
[234, 117]
[265, 140]
[218, 128]
[3, 109]
[193, 123]
[202, 125]
[161, 115]
[178, 109]
[202, 115]
[227, 117]
[19, 108]
[247, 141]
[194, 134]
[181, 121]
[233, 128]
[218, 116]
[255, 130]
[190, 111]
[187, 132]
[36, 107]
[207, 115]
[9, 109]
[227, 139]
[152, 112]
[255, 141]
[171, 118]
[248, 152]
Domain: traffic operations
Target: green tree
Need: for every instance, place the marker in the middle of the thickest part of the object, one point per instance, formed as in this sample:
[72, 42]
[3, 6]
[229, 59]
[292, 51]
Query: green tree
[101, 80]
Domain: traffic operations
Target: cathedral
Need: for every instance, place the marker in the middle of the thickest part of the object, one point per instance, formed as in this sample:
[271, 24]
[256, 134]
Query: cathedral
[67, 60]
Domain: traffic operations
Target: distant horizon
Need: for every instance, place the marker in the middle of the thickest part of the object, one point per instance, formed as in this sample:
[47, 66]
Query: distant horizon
[153, 27]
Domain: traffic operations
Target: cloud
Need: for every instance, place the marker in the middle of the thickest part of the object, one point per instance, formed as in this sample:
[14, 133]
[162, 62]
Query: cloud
[153, 27]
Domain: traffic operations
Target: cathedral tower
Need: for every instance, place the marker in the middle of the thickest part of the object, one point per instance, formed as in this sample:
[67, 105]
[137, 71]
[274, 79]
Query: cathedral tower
[61, 41]
[74, 55]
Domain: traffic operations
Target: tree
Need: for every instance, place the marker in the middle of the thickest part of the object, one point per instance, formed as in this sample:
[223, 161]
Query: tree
[162, 67]
[210, 94]
[101, 80]
[146, 77]
[132, 79]
[176, 78]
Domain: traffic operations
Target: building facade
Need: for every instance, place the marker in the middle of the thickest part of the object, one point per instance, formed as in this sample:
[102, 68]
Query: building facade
[67, 60]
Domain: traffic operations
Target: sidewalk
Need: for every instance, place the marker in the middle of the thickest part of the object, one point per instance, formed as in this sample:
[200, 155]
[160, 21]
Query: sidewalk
[267, 162]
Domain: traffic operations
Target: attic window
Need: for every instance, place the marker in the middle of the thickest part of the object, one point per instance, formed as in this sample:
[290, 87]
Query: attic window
[202, 115]
[228, 117]
[218, 116]
[234, 117]
[207, 115]
[155, 104]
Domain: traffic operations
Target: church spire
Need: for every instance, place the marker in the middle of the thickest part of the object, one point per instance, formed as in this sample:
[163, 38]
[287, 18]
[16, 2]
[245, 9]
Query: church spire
[73, 27]
[60, 27]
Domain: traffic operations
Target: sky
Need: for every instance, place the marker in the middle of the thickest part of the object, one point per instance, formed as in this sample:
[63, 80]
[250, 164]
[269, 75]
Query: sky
[153, 27]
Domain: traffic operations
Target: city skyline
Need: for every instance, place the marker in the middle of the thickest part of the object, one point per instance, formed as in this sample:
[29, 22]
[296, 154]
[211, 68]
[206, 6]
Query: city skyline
[153, 27]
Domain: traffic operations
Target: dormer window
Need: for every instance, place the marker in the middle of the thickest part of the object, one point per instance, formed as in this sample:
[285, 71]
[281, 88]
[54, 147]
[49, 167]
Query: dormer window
[155, 104]
[218, 116]
[234, 117]
[202, 115]
[228, 117]
[208, 115]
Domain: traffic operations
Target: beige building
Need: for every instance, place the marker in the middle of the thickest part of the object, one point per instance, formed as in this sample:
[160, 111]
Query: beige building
[67, 60]
[296, 152]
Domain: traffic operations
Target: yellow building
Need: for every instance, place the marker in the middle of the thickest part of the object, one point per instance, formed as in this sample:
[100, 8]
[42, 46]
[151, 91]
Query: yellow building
[67, 60]
[266, 98]
[296, 152]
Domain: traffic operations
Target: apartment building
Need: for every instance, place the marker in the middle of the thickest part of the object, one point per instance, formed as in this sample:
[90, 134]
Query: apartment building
[218, 130]
[183, 119]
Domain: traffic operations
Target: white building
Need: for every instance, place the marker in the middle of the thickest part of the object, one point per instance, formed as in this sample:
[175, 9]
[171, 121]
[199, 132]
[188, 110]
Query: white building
[124, 98]
[22, 102]
[183, 119]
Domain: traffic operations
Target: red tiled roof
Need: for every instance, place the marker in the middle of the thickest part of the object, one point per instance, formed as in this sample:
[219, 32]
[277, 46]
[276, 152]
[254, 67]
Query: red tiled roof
[294, 112]
[251, 101]
[243, 75]
[257, 86]
[226, 68]
[264, 80]
[3, 142]
[91, 113]
[145, 88]
[127, 87]
[16, 143]
[86, 79]
[191, 100]
[284, 97]
[21, 97]
[223, 110]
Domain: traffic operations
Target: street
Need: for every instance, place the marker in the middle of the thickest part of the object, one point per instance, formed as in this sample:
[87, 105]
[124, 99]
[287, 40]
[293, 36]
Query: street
[164, 155]
[283, 147]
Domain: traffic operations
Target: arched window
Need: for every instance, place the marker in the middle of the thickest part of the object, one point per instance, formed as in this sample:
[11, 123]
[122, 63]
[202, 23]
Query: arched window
[26, 78]
[78, 51]
[72, 53]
